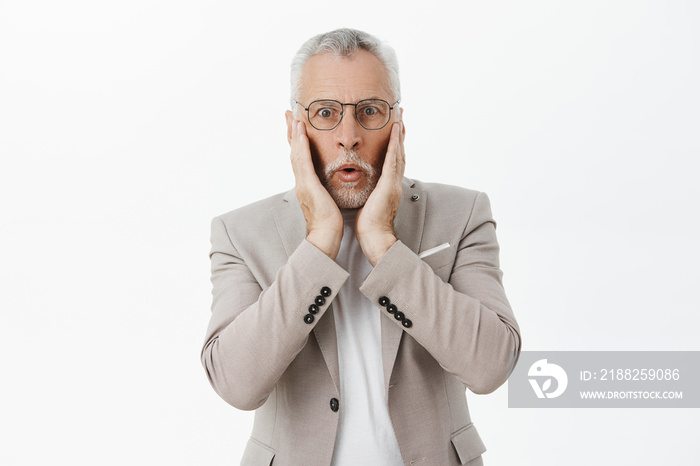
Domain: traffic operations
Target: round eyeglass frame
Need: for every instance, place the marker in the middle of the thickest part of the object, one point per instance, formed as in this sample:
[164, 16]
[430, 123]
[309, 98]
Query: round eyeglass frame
[342, 114]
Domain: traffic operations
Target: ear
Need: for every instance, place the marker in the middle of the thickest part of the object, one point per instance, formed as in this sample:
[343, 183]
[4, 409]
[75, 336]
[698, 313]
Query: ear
[289, 116]
[403, 125]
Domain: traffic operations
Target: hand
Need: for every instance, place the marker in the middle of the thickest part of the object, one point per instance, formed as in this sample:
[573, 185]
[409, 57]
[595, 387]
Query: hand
[375, 221]
[324, 223]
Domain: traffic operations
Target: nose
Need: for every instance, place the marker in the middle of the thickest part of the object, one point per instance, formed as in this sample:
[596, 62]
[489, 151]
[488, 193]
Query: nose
[348, 132]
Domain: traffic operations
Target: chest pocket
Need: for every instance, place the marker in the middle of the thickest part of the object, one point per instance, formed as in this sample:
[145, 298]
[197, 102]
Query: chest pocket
[441, 261]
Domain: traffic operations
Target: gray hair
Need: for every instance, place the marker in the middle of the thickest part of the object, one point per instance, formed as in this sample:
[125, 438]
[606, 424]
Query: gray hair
[343, 43]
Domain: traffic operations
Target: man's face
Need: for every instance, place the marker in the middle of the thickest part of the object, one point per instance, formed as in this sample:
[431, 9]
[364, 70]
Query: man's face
[348, 159]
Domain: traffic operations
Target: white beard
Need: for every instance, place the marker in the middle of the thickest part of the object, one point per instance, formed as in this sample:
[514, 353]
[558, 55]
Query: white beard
[346, 196]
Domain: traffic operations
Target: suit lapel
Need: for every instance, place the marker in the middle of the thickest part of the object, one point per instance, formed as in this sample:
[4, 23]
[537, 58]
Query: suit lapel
[408, 226]
[290, 222]
[291, 226]
[410, 218]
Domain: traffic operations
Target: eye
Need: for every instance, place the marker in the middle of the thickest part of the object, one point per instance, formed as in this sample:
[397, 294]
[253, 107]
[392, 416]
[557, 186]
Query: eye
[325, 112]
[369, 111]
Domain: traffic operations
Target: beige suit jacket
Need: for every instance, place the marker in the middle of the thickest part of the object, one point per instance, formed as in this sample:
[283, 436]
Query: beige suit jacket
[265, 350]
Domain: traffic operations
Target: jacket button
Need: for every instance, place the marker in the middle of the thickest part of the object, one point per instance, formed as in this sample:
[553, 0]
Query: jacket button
[320, 300]
[313, 309]
[415, 197]
[335, 405]
[325, 291]
[399, 315]
[407, 323]
[308, 318]
[384, 301]
[391, 308]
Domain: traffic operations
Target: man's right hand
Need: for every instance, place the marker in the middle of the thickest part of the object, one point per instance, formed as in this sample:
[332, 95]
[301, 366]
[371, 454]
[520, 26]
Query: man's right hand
[324, 223]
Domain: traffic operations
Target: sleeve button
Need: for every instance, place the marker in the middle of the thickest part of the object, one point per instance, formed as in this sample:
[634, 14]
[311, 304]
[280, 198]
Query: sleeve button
[313, 309]
[399, 315]
[325, 291]
[384, 301]
[308, 318]
[320, 300]
[407, 323]
[391, 308]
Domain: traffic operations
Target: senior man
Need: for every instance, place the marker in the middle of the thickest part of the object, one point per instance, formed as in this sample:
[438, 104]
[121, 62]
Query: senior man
[353, 311]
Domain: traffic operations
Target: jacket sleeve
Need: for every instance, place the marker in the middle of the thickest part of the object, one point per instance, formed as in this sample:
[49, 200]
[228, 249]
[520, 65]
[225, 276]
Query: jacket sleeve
[466, 324]
[254, 333]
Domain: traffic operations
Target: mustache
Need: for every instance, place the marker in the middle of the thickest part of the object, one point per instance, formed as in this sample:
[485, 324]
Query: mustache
[349, 156]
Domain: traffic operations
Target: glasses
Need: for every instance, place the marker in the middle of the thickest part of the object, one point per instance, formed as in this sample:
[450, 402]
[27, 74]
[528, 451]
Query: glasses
[324, 115]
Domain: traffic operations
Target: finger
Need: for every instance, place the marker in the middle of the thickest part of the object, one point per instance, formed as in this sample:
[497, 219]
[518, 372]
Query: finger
[295, 131]
[401, 153]
[300, 146]
[302, 164]
[294, 155]
[392, 162]
[402, 137]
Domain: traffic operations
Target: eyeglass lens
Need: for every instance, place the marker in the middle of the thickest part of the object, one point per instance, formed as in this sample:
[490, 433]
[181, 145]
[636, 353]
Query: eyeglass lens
[371, 114]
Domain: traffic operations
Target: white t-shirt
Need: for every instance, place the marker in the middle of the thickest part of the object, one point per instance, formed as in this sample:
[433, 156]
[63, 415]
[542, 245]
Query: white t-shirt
[365, 434]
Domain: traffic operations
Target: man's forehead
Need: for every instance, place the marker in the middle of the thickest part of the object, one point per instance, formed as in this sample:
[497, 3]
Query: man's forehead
[358, 76]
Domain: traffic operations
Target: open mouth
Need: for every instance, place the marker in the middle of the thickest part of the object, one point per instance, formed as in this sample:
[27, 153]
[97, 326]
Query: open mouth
[349, 173]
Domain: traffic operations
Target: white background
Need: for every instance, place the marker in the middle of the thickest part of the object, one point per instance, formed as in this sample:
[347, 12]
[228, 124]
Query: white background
[125, 126]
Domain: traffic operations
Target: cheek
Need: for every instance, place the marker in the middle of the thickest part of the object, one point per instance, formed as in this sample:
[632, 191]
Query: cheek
[379, 151]
[316, 146]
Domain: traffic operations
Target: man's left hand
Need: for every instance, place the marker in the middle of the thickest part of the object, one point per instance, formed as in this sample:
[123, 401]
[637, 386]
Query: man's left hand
[374, 226]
